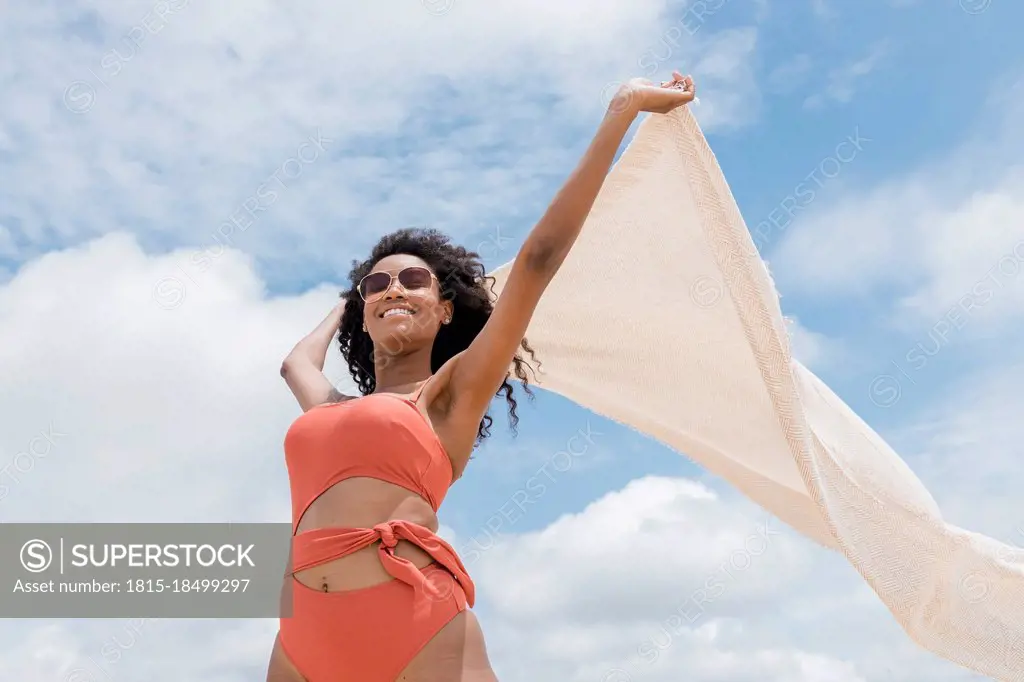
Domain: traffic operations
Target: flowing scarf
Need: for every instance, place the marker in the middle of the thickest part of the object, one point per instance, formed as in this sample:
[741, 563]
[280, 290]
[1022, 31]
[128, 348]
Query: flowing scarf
[664, 318]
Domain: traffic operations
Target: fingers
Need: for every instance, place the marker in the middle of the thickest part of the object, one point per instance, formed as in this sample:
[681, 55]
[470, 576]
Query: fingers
[677, 97]
[688, 87]
[676, 92]
[679, 82]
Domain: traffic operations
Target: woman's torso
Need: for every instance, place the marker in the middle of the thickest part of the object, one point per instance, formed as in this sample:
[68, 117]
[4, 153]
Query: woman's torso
[363, 503]
[385, 435]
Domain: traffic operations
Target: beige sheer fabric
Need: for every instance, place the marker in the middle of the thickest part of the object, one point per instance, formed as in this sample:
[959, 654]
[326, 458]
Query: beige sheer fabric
[664, 318]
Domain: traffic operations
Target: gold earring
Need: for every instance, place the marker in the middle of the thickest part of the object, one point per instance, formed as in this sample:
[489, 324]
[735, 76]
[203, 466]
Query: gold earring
[364, 326]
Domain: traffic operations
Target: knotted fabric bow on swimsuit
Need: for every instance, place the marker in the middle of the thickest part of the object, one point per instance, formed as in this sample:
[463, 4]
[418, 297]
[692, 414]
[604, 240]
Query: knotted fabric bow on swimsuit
[315, 547]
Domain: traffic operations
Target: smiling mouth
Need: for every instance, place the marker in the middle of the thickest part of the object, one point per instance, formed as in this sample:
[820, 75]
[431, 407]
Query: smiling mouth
[396, 312]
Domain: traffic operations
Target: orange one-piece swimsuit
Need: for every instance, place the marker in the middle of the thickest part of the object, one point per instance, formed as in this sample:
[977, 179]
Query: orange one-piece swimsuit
[368, 634]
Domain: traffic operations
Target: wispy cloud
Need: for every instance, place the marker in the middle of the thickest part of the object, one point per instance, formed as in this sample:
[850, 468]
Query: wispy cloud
[823, 9]
[139, 138]
[927, 238]
[790, 74]
[162, 118]
[843, 82]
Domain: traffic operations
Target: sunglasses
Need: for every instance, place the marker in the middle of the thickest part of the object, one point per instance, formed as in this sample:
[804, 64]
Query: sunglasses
[376, 284]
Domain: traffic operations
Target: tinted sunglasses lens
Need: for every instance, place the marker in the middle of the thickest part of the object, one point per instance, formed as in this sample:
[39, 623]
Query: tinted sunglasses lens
[374, 285]
[415, 278]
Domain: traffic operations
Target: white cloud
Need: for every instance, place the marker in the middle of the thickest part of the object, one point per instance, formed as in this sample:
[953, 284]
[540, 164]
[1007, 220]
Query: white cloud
[139, 648]
[666, 575]
[176, 412]
[947, 237]
[182, 118]
[842, 82]
[967, 448]
[94, 359]
[117, 409]
[814, 349]
[600, 545]
[729, 96]
[153, 406]
[790, 74]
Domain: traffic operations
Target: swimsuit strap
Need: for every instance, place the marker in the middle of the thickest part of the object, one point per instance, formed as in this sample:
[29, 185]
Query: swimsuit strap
[416, 394]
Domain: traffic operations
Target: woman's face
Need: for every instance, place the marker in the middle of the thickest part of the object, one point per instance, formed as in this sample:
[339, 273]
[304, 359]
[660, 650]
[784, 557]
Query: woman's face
[407, 314]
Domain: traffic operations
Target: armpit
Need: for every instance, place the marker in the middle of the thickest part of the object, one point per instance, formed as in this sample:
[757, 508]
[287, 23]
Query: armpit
[336, 396]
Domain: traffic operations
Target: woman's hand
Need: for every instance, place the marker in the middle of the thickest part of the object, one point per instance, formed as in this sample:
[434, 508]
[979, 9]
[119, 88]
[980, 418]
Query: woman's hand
[303, 368]
[640, 94]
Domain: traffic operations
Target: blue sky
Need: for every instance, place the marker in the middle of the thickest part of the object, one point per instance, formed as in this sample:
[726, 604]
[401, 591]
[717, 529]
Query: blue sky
[130, 326]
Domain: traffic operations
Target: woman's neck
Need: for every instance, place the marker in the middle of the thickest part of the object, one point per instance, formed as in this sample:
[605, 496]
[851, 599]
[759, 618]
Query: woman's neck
[396, 373]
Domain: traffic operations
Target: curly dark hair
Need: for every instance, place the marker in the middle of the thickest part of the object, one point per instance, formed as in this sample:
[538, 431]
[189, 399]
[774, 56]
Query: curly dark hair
[462, 281]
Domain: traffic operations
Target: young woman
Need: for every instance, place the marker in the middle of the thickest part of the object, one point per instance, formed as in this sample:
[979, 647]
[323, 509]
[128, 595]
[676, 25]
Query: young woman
[377, 596]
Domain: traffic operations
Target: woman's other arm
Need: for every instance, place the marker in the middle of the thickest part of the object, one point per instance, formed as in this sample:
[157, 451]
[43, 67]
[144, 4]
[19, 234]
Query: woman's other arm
[303, 368]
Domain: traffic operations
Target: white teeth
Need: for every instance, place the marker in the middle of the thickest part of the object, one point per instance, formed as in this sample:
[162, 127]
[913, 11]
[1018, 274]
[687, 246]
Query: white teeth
[397, 311]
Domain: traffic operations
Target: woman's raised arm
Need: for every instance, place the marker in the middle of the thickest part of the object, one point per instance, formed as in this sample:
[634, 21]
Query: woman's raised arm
[479, 371]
